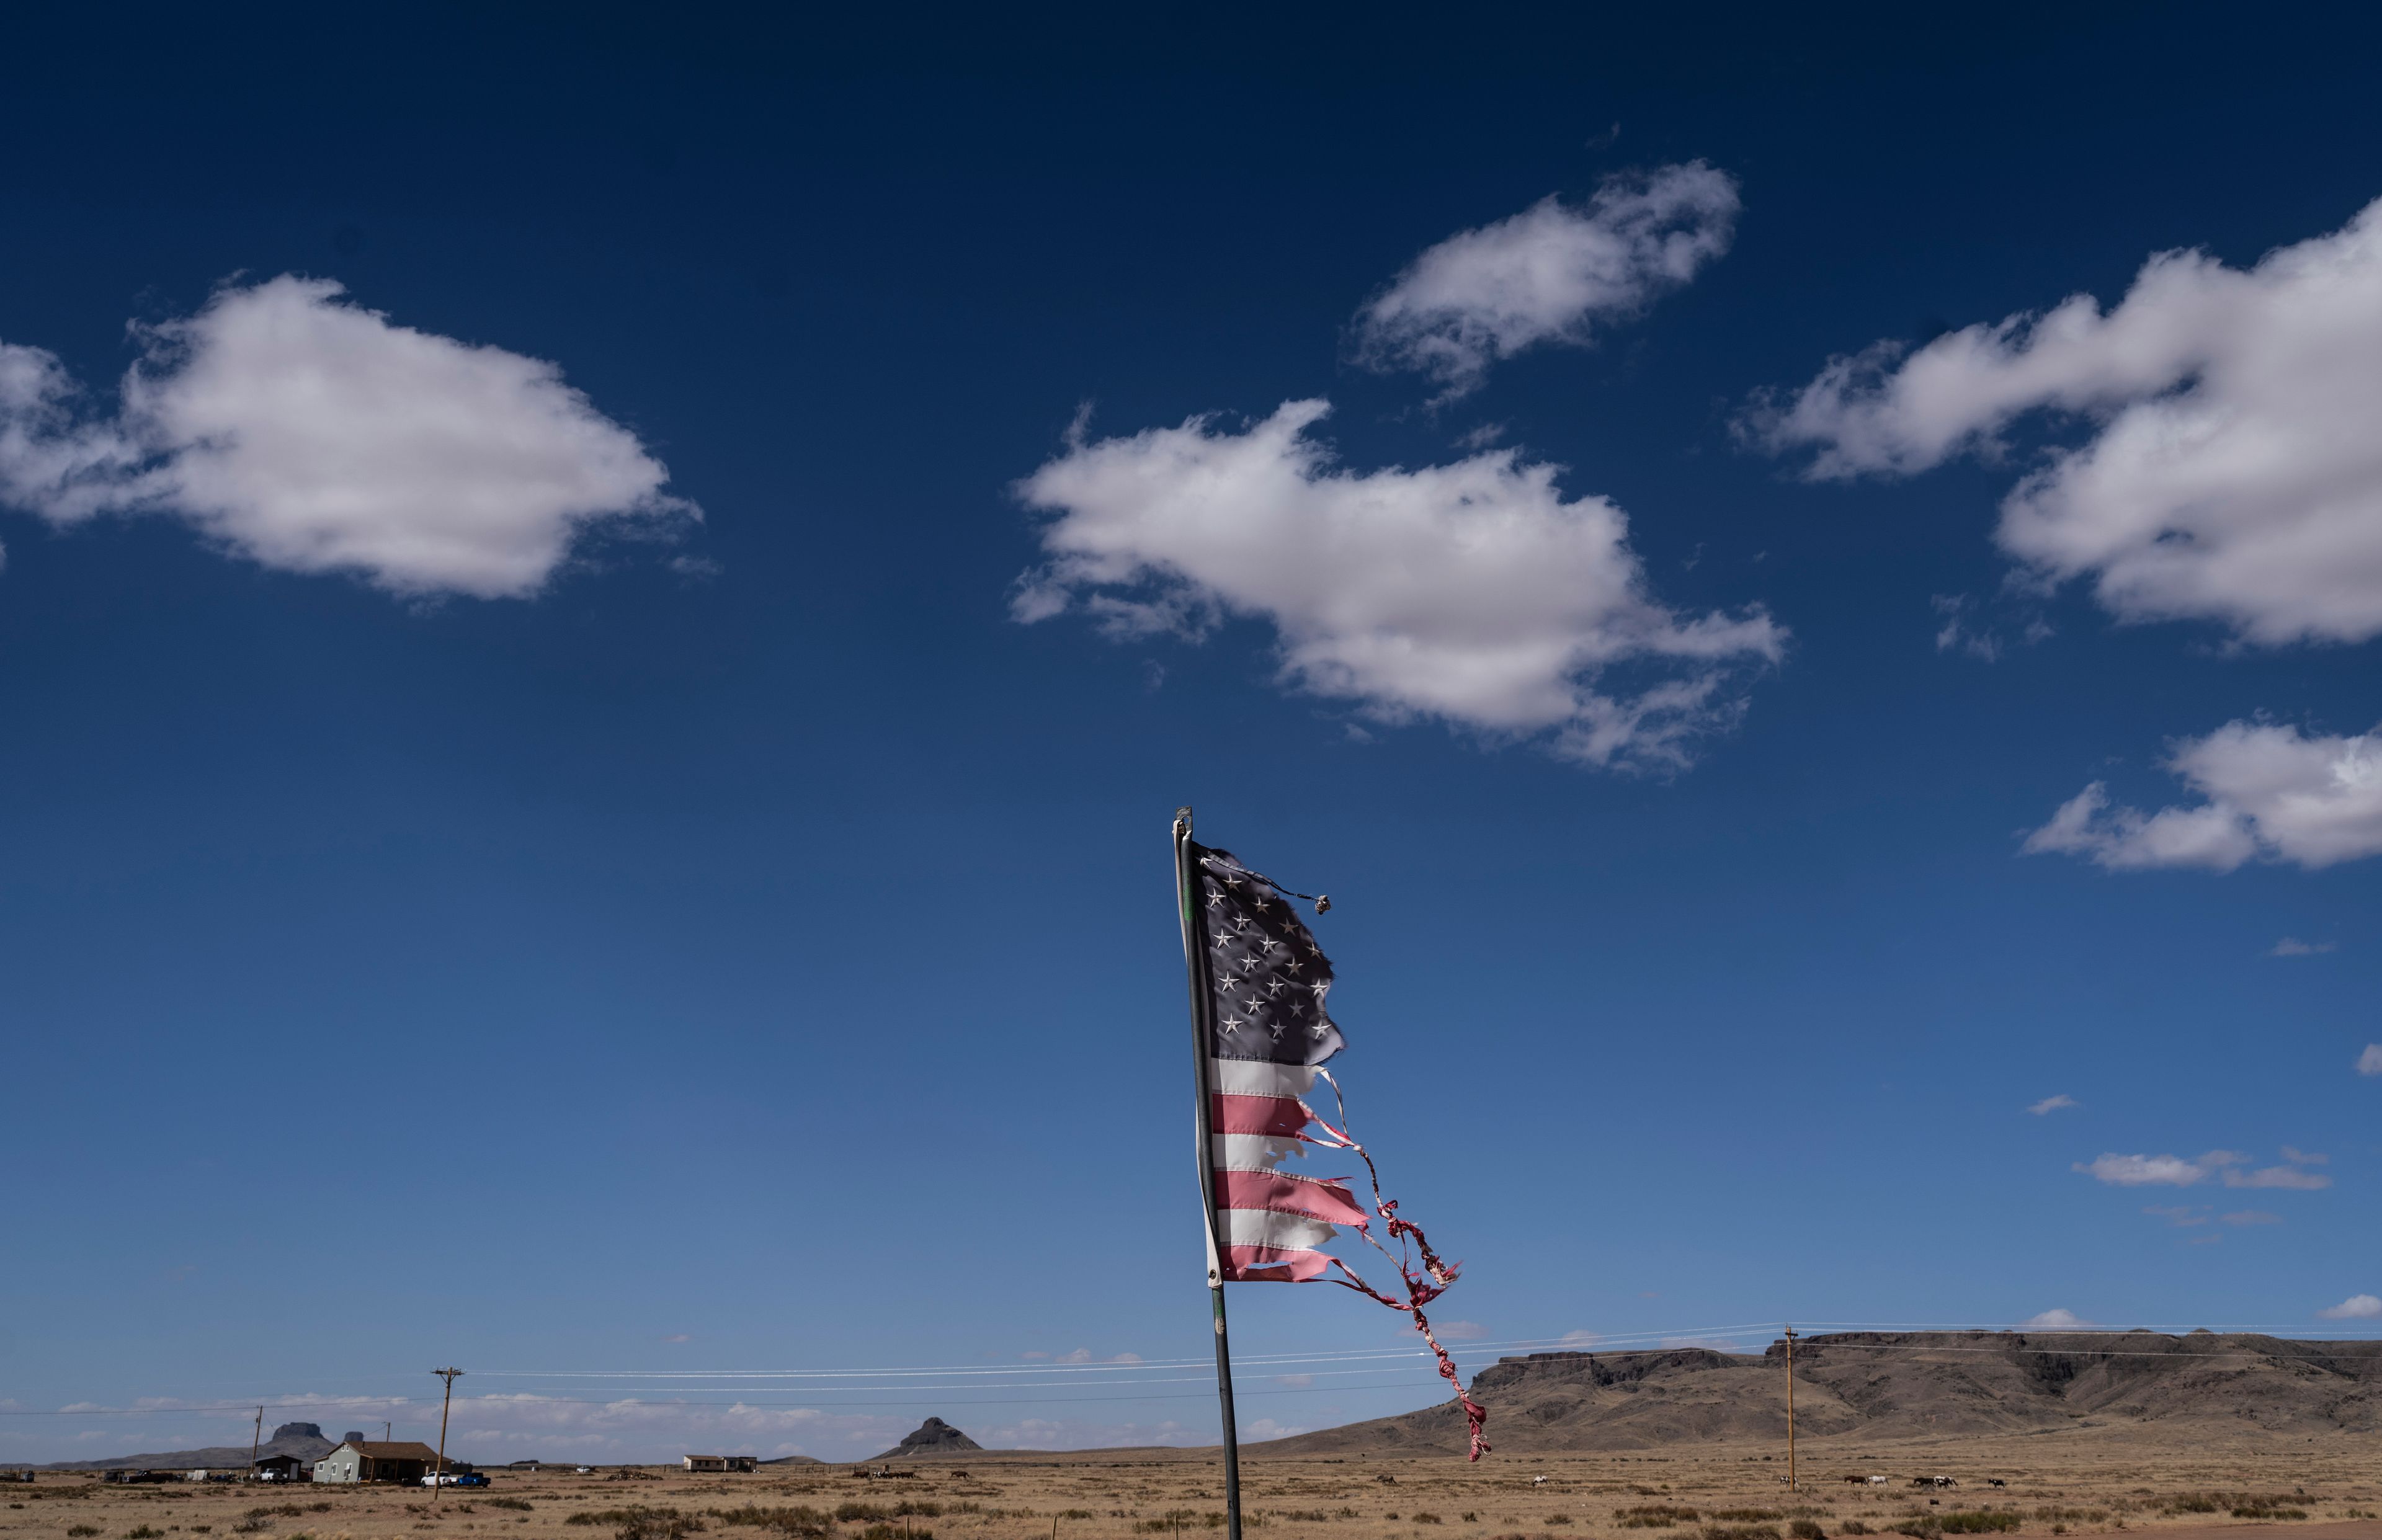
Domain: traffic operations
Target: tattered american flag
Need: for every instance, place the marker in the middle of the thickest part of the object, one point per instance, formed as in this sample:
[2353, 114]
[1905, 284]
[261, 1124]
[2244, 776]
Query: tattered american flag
[1267, 986]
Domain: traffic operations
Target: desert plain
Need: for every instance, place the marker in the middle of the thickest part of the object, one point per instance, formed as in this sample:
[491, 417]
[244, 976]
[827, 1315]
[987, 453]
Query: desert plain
[2314, 1488]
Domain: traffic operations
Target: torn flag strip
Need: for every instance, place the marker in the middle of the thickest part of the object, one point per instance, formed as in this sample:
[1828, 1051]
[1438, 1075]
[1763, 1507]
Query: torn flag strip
[1268, 1029]
[1265, 1041]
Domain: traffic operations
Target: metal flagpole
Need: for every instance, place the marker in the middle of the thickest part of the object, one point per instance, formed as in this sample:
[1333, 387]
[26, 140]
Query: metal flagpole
[1195, 963]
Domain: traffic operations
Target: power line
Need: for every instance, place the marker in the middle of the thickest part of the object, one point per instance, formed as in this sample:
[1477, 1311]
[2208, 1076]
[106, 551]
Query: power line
[2057, 1342]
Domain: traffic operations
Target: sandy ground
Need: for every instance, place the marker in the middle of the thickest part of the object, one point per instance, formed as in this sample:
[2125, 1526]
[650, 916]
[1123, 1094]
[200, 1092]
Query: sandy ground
[1734, 1494]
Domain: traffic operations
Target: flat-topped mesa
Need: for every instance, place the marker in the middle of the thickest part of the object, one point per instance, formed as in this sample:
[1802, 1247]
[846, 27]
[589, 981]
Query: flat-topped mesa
[1886, 1385]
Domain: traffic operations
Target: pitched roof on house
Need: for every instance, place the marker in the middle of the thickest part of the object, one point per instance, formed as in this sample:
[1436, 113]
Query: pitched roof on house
[402, 1449]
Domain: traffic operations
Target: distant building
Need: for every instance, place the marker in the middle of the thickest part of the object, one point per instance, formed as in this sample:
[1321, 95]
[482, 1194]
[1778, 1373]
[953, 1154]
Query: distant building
[281, 1467]
[372, 1459]
[722, 1462]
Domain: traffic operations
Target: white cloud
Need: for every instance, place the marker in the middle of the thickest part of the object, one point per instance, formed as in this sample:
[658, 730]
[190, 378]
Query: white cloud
[2052, 1104]
[1471, 592]
[1051, 1432]
[2252, 1216]
[1267, 1427]
[2180, 1216]
[2370, 1061]
[2357, 1307]
[2267, 793]
[2306, 1157]
[2291, 946]
[1551, 274]
[1581, 1338]
[1959, 628]
[1296, 1382]
[2233, 475]
[312, 435]
[1460, 1331]
[2289, 1177]
[2164, 1170]
[2056, 1320]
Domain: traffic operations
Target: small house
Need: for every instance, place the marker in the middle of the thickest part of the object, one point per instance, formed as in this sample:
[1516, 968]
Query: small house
[722, 1462]
[401, 1460]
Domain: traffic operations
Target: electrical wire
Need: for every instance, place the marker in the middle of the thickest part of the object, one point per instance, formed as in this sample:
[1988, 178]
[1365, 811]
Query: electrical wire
[1138, 1371]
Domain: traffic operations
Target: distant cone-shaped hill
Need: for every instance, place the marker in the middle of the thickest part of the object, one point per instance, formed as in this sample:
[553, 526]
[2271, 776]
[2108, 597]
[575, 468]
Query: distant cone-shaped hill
[1891, 1385]
[933, 1436]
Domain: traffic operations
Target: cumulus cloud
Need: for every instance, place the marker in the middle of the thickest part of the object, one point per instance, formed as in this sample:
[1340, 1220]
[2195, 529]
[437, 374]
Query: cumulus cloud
[2232, 475]
[1086, 1355]
[1461, 1331]
[1052, 1432]
[2227, 1165]
[2051, 1104]
[2370, 1061]
[1473, 594]
[2252, 1216]
[2357, 1307]
[1268, 1427]
[2056, 1320]
[2291, 1176]
[2291, 946]
[1551, 274]
[2267, 793]
[2164, 1170]
[310, 434]
[1582, 1339]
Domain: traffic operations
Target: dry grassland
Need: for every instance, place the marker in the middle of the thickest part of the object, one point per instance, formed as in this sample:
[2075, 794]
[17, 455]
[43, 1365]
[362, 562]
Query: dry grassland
[2320, 1489]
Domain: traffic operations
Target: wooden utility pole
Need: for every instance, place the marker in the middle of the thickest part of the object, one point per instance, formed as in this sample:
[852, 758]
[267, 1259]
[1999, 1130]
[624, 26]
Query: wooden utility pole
[439, 1484]
[255, 1440]
[1790, 1409]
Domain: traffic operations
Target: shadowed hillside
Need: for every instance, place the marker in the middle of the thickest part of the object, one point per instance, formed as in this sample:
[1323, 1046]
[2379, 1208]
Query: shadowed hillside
[304, 1440]
[1891, 1385]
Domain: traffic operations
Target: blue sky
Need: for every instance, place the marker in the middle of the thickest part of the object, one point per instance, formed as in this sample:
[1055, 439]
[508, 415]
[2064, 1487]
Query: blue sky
[601, 621]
